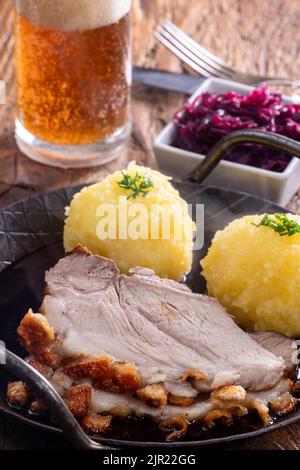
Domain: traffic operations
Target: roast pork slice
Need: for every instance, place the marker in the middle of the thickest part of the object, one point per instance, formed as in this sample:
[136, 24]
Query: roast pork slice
[127, 405]
[280, 345]
[159, 325]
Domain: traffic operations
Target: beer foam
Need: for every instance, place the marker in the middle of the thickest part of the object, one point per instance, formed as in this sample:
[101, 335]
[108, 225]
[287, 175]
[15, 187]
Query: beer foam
[73, 15]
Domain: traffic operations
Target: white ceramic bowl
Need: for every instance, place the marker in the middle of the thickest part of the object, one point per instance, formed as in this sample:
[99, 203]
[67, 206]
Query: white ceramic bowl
[277, 187]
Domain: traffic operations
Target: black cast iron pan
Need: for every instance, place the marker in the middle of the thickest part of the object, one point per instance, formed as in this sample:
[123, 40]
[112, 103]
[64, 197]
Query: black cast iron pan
[30, 228]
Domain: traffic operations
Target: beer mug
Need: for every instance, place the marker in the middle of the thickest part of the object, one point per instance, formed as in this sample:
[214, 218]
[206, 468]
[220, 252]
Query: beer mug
[73, 78]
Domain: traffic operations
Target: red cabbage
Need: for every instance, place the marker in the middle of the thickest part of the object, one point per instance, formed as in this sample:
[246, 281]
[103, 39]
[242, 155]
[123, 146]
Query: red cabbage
[202, 123]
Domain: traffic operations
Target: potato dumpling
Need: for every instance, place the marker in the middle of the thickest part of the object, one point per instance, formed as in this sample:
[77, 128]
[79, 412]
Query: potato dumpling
[255, 273]
[146, 241]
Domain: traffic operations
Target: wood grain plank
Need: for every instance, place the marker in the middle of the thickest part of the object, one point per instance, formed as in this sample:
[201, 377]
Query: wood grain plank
[253, 35]
[245, 44]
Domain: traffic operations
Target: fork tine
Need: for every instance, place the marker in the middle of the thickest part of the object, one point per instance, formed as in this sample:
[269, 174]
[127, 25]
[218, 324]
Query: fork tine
[198, 50]
[173, 29]
[199, 59]
[186, 55]
[180, 55]
[197, 56]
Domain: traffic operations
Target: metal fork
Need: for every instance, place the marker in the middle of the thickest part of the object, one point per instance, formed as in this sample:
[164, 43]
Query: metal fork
[44, 390]
[204, 62]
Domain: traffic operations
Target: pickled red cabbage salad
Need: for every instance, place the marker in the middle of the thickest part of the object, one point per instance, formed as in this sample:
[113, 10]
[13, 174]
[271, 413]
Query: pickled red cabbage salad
[203, 122]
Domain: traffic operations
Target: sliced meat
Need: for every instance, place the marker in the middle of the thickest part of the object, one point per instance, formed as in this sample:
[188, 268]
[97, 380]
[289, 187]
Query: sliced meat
[236, 401]
[126, 405]
[144, 346]
[156, 325]
[280, 345]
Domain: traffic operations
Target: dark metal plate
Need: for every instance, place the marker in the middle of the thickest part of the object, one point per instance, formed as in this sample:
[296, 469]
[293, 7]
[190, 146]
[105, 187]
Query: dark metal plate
[31, 242]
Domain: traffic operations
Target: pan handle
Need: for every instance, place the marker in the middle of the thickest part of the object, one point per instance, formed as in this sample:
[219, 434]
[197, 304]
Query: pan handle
[248, 136]
[46, 392]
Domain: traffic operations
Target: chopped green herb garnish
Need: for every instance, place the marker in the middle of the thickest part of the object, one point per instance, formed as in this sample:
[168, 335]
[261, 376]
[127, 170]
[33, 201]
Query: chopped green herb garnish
[138, 184]
[280, 223]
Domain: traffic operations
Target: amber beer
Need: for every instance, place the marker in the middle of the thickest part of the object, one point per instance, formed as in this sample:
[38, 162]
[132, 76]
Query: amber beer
[73, 71]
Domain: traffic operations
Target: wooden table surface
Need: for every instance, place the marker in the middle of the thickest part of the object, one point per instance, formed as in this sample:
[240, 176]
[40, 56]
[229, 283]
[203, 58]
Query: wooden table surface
[253, 35]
